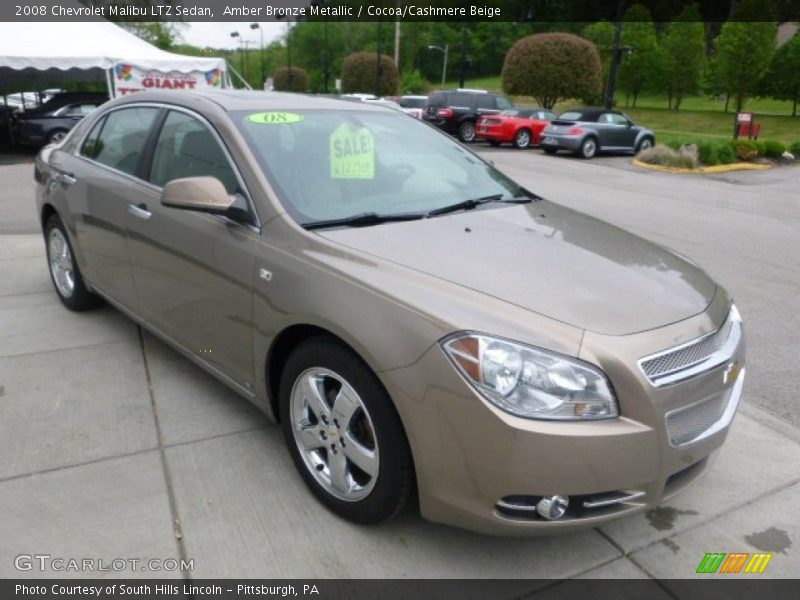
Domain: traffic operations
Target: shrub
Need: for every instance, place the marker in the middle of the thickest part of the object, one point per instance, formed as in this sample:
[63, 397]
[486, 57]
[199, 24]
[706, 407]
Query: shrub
[663, 155]
[552, 67]
[726, 154]
[744, 149]
[708, 153]
[359, 73]
[299, 80]
[760, 147]
[413, 82]
[773, 149]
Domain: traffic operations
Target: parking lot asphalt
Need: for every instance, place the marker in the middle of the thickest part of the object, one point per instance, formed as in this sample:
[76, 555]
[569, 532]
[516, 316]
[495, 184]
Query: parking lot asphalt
[115, 446]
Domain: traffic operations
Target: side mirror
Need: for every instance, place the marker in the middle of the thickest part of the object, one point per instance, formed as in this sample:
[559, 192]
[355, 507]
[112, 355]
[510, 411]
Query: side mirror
[205, 194]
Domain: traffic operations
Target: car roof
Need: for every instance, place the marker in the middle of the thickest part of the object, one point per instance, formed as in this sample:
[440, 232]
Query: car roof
[591, 113]
[233, 100]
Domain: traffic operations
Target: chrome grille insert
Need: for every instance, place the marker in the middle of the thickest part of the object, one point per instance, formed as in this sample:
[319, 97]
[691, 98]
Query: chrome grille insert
[695, 357]
[700, 420]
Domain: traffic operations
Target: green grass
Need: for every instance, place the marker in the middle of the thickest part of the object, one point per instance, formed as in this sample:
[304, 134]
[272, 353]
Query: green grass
[700, 118]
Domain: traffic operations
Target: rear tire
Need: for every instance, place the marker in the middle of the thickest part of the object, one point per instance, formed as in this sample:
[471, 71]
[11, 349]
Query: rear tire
[64, 272]
[522, 139]
[466, 132]
[588, 148]
[321, 379]
[56, 136]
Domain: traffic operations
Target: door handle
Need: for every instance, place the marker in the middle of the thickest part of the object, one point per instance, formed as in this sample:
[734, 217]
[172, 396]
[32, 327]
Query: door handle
[139, 211]
[66, 178]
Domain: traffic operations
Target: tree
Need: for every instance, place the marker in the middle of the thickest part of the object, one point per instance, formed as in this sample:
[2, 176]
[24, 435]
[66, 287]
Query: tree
[744, 50]
[683, 50]
[161, 35]
[782, 80]
[360, 70]
[552, 67]
[601, 34]
[298, 82]
[641, 67]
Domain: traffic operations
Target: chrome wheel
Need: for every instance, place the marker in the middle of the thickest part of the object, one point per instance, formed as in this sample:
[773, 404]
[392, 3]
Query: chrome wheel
[61, 267]
[589, 148]
[467, 132]
[57, 137]
[334, 434]
[523, 139]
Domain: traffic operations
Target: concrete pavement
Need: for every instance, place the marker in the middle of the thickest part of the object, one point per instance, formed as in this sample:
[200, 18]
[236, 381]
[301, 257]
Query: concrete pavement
[115, 446]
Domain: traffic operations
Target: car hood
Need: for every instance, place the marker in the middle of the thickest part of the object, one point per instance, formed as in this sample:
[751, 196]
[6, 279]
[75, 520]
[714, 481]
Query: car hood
[548, 259]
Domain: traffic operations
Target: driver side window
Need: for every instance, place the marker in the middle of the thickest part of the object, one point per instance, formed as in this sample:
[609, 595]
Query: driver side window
[187, 148]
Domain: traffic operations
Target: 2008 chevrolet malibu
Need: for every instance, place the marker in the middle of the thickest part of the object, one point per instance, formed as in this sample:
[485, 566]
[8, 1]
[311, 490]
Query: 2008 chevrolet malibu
[417, 322]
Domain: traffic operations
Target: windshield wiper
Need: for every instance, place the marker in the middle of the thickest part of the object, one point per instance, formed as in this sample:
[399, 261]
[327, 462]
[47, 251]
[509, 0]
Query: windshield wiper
[475, 202]
[362, 220]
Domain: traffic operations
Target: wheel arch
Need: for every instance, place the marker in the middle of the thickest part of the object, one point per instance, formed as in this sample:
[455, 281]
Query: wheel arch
[282, 346]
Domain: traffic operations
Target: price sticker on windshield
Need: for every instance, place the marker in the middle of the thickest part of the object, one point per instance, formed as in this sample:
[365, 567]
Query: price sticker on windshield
[352, 153]
[274, 118]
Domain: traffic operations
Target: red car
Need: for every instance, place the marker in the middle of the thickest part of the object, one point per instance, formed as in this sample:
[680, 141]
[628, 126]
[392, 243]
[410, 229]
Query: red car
[519, 126]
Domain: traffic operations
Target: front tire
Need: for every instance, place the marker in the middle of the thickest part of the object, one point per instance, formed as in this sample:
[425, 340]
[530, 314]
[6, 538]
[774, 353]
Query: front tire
[64, 272]
[588, 148]
[645, 144]
[466, 132]
[343, 432]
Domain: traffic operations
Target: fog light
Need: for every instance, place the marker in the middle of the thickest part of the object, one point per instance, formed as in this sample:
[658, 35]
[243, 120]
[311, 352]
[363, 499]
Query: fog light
[552, 507]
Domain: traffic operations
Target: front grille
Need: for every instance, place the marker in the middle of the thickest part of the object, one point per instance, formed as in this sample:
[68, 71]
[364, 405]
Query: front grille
[684, 357]
[687, 424]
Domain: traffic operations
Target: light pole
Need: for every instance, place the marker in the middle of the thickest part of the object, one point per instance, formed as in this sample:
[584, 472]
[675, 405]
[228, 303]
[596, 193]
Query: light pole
[235, 34]
[444, 51]
[255, 26]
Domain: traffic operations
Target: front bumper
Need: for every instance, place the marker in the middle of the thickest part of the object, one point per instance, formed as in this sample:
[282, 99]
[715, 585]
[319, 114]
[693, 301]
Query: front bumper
[473, 459]
[495, 133]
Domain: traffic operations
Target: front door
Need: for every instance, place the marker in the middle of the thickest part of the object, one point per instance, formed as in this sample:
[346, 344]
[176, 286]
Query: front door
[194, 271]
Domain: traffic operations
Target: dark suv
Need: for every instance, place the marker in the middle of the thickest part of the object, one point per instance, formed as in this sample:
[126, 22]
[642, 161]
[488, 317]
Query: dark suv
[455, 111]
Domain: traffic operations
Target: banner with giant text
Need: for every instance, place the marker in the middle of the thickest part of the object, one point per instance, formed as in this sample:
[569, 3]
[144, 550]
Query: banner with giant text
[129, 79]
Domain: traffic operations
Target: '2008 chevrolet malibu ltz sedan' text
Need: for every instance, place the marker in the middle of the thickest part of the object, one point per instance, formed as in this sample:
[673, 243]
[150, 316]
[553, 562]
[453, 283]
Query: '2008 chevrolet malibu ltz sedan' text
[417, 322]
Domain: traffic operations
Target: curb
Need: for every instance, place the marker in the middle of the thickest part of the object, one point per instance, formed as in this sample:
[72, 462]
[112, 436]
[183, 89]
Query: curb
[703, 170]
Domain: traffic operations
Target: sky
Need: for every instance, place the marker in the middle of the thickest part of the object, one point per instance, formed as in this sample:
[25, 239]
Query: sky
[218, 35]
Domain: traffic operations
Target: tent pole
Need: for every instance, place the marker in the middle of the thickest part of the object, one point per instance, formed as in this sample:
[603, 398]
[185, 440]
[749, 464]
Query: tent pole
[232, 70]
[110, 84]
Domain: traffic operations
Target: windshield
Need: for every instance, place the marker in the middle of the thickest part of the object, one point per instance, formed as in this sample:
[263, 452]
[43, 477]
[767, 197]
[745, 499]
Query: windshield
[333, 164]
[412, 102]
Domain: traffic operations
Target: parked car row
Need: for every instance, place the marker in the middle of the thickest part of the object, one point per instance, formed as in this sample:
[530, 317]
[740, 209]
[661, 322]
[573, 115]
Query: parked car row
[479, 115]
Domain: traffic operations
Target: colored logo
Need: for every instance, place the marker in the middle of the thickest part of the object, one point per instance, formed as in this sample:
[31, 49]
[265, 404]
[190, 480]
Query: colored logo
[124, 72]
[214, 77]
[734, 562]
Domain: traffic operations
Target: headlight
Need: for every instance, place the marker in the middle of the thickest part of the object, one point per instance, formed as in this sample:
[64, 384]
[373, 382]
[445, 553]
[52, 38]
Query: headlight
[531, 382]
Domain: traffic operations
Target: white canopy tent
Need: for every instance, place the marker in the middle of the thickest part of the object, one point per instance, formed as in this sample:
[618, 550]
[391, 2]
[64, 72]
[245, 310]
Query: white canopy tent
[32, 53]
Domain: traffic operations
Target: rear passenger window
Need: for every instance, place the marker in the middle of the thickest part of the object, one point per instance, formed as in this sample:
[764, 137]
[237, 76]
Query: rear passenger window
[187, 148]
[486, 102]
[118, 140]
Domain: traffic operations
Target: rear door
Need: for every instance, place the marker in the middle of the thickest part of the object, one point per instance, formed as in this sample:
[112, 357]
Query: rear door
[98, 184]
[194, 271]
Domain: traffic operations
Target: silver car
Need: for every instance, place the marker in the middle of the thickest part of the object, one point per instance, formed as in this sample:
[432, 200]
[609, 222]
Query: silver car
[587, 131]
